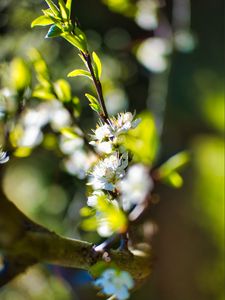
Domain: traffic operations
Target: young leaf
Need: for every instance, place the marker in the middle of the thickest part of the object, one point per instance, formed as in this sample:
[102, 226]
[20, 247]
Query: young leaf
[20, 74]
[63, 9]
[69, 7]
[79, 72]
[174, 180]
[43, 94]
[174, 163]
[62, 90]
[54, 31]
[53, 7]
[75, 41]
[97, 65]
[42, 21]
[40, 67]
[49, 13]
[94, 104]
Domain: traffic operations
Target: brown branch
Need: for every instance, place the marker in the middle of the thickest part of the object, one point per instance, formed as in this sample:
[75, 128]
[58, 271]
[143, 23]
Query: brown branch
[26, 242]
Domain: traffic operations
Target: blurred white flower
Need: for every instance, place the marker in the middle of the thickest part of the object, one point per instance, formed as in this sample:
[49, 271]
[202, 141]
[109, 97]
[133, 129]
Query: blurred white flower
[115, 282]
[69, 146]
[31, 137]
[184, 41]
[107, 172]
[3, 157]
[146, 15]
[135, 186]
[152, 53]
[78, 163]
[38, 117]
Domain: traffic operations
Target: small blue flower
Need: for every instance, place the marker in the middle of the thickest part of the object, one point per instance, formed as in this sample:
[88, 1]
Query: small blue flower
[114, 282]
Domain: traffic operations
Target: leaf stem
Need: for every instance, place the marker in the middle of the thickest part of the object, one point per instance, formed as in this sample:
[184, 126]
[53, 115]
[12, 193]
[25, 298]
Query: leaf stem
[104, 115]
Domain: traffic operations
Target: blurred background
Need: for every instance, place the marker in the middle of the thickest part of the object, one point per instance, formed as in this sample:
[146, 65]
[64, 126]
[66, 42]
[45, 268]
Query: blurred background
[164, 57]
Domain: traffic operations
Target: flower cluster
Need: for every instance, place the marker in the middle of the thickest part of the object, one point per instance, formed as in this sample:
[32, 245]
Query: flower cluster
[105, 176]
[116, 283]
[106, 136]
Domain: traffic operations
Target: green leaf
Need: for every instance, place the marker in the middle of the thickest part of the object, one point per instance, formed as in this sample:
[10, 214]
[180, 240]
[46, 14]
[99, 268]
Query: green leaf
[80, 72]
[43, 94]
[53, 7]
[54, 31]
[75, 41]
[76, 106]
[86, 211]
[94, 104]
[63, 9]
[20, 74]
[69, 7]
[22, 152]
[97, 65]
[62, 90]
[49, 13]
[89, 224]
[174, 180]
[40, 67]
[69, 133]
[42, 21]
[174, 163]
[143, 141]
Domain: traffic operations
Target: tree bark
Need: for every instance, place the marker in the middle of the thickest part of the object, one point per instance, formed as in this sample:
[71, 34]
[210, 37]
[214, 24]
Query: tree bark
[24, 243]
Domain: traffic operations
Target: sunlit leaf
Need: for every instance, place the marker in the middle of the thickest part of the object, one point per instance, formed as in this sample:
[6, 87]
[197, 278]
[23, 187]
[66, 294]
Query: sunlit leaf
[22, 152]
[54, 31]
[40, 67]
[89, 224]
[63, 9]
[97, 65]
[94, 104]
[53, 7]
[42, 94]
[69, 133]
[143, 141]
[80, 72]
[20, 74]
[86, 211]
[174, 163]
[69, 6]
[76, 106]
[75, 41]
[42, 21]
[62, 90]
[174, 180]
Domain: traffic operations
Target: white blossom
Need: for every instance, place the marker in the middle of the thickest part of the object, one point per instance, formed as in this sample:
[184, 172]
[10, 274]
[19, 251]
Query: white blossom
[135, 186]
[108, 171]
[105, 136]
[123, 123]
[115, 282]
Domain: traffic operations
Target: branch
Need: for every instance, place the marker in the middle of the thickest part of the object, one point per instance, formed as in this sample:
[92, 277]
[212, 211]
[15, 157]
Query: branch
[26, 243]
